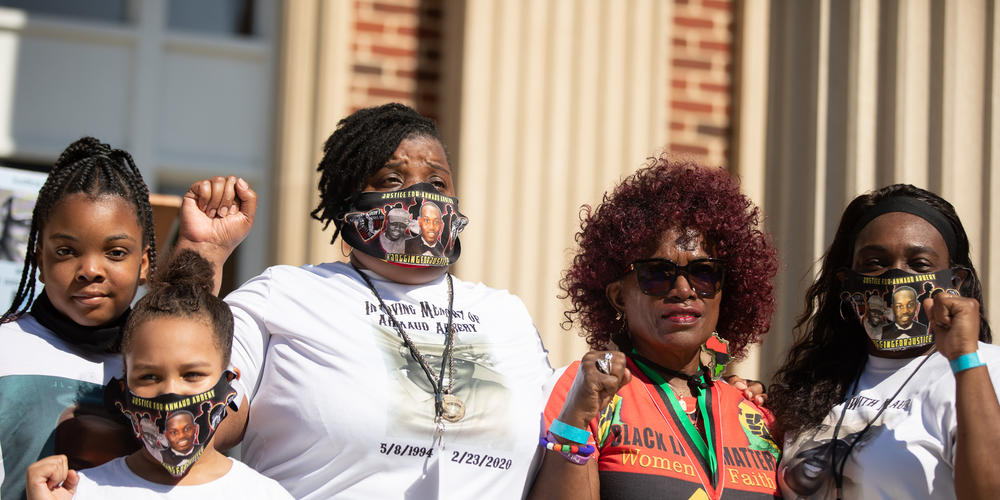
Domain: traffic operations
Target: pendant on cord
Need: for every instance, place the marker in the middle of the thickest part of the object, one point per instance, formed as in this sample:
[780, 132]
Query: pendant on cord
[452, 408]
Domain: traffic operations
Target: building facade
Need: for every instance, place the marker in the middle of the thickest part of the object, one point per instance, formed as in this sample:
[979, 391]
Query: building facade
[544, 105]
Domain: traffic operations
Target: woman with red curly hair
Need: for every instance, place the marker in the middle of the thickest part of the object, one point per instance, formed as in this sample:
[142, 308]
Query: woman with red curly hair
[671, 260]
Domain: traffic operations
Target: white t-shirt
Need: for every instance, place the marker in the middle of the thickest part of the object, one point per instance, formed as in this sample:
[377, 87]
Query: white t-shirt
[114, 480]
[909, 451]
[42, 380]
[339, 406]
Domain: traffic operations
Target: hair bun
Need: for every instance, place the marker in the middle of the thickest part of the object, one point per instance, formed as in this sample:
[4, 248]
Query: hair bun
[186, 269]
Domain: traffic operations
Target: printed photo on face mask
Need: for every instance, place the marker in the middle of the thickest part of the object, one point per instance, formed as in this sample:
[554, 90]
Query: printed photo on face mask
[180, 432]
[428, 240]
[393, 234]
[415, 226]
[888, 306]
[175, 428]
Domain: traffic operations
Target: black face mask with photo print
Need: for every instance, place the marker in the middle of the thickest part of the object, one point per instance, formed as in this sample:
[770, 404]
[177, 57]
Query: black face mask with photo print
[416, 226]
[175, 428]
[889, 305]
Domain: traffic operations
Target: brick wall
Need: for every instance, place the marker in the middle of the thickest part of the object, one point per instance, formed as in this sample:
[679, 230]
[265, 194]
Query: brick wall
[397, 54]
[397, 57]
[701, 80]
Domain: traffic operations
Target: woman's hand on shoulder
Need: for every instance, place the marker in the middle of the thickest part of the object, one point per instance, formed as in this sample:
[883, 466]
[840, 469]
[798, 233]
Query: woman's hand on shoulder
[753, 390]
[955, 323]
[51, 479]
[593, 389]
[219, 211]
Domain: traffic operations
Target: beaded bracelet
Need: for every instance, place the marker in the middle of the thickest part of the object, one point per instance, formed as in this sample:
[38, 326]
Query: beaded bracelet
[966, 361]
[578, 454]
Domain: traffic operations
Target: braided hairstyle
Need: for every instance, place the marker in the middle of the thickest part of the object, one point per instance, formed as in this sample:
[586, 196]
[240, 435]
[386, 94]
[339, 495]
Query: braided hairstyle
[93, 168]
[183, 289]
[357, 149]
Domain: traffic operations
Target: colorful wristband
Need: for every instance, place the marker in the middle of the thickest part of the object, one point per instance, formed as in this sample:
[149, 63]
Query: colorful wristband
[966, 361]
[566, 431]
[579, 455]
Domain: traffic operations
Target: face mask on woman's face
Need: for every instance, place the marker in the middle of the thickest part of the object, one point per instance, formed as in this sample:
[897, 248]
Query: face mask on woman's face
[175, 428]
[889, 306]
[414, 226]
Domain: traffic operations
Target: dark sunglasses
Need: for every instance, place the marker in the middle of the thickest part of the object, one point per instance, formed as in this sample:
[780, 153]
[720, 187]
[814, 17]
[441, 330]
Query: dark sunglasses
[656, 277]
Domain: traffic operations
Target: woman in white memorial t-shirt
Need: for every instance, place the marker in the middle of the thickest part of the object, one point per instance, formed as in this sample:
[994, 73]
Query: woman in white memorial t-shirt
[383, 377]
[890, 390]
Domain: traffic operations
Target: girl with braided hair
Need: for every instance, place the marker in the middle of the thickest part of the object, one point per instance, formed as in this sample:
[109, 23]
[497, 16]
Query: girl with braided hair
[91, 244]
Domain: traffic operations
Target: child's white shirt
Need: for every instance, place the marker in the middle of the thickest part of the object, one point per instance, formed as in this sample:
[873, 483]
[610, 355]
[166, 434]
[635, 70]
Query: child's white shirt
[115, 481]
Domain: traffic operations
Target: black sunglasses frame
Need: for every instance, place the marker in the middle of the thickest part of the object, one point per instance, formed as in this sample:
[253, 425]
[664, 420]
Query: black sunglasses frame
[680, 270]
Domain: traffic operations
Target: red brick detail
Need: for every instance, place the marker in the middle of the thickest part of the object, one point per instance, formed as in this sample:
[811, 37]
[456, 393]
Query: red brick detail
[688, 149]
[710, 45]
[395, 94]
[692, 63]
[718, 4]
[697, 107]
[693, 22]
[397, 47]
[382, 50]
[700, 86]
[714, 87]
[369, 27]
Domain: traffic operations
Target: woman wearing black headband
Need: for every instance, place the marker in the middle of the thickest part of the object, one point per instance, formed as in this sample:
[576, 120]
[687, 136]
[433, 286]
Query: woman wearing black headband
[887, 392]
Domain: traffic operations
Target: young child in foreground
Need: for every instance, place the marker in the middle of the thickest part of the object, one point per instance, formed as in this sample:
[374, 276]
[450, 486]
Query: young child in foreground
[175, 347]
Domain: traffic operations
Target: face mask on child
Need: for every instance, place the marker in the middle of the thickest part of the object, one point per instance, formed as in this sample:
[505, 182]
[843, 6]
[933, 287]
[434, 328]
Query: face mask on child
[889, 306]
[175, 428]
[415, 226]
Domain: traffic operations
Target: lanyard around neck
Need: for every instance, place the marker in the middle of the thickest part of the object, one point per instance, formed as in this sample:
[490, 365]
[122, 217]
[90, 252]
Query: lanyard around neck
[705, 445]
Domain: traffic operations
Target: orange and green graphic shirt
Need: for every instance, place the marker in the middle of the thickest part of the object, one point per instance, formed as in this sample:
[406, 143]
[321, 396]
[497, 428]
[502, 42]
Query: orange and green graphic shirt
[643, 451]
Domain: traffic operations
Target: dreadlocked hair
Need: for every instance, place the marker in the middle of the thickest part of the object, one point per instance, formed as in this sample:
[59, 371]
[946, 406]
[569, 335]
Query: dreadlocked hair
[93, 168]
[357, 149]
[183, 289]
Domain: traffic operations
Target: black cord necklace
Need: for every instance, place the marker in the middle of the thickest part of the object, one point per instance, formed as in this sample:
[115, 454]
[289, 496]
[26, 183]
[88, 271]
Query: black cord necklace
[697, 382]
[838, 468]
[447, 406]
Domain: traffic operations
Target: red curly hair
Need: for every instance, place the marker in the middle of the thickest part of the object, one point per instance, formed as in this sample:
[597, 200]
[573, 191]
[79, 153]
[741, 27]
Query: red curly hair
[630, 223]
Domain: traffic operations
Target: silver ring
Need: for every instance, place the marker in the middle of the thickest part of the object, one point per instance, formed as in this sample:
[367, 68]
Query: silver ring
[604, 364]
